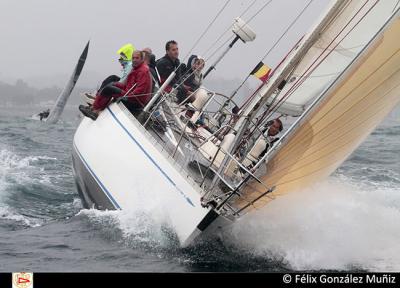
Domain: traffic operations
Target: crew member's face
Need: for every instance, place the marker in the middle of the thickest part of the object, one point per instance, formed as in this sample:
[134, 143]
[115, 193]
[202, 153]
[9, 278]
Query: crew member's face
[122, 62]
[173, 51]
[137, 59]
[274, 129]
[198, 65]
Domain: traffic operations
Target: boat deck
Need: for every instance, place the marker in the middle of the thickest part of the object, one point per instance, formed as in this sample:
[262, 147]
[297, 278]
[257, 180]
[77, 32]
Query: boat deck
[181, 143]
[180, 149]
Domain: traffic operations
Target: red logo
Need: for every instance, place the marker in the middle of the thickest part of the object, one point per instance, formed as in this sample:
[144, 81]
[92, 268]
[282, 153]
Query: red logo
[22, 280]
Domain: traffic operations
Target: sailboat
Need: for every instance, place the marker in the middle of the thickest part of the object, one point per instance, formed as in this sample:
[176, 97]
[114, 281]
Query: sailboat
[339, 82]
[53, 115]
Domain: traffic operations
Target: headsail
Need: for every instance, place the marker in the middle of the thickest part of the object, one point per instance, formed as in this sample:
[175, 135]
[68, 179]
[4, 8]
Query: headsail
[62, 99]
[339, 120]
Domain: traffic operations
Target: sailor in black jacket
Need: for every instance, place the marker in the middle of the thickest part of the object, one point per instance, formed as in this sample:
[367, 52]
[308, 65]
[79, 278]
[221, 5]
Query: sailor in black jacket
[169, 63]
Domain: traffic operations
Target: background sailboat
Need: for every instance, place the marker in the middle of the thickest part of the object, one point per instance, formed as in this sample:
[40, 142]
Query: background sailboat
[58, 108]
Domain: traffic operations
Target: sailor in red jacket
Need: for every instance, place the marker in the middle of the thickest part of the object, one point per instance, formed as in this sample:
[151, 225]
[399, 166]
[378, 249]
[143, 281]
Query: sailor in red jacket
[137, 89]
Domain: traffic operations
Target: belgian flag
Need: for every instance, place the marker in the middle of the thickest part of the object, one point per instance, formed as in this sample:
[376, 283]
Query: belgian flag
[261, 71]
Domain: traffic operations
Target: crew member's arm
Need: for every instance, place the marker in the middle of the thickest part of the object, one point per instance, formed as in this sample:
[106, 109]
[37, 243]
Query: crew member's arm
[164, 71]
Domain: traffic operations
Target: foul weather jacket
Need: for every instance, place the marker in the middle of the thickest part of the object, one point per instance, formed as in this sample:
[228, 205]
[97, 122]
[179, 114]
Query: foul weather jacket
[141, 93]
[165, 67]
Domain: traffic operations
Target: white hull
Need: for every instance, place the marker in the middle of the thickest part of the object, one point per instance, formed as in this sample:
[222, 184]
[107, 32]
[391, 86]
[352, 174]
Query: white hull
[116, 161]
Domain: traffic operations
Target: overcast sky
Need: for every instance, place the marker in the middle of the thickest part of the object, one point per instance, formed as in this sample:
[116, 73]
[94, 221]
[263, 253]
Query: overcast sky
[43, 38]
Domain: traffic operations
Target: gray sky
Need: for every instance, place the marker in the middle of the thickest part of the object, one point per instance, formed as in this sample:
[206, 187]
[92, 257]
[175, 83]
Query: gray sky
[43, 38]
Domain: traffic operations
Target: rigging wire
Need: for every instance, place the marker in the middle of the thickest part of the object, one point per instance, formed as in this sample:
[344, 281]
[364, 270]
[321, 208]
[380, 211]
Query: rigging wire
[279, 39]
[250, 19]
[259, 11]
[287, 29]
[395, 6]
[273, 71]
[273, 109]
[310, 69]
[220, 47]
[227, 29]
[201, 36]
[208, 27]
[275, 44]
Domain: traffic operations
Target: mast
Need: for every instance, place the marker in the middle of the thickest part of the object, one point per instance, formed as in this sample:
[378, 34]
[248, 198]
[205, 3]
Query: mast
[269, 88]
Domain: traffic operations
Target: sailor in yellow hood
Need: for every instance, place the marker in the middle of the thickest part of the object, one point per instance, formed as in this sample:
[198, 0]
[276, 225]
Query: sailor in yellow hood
[125, 53]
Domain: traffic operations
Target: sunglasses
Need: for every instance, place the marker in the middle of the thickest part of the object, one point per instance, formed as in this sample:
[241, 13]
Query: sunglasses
[123, 57]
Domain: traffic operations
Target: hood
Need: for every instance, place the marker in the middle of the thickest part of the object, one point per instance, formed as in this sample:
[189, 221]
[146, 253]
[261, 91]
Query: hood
[191, 61]
[127, 50]
[152, 61]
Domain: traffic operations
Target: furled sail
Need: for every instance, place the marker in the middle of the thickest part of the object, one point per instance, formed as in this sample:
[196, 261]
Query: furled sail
[58, 108]
[338, 120]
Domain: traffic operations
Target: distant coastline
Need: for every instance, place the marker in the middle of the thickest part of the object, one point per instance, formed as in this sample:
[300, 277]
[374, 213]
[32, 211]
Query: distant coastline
[22, 93]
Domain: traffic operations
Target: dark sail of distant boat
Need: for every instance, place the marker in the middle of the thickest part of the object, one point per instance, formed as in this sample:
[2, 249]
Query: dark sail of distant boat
[58, 107]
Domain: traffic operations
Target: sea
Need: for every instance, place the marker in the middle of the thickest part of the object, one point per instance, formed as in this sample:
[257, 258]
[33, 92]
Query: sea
[348, 222]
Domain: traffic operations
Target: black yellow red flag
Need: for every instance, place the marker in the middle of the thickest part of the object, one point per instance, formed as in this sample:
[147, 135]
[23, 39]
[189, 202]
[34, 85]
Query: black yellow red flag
[261, 71]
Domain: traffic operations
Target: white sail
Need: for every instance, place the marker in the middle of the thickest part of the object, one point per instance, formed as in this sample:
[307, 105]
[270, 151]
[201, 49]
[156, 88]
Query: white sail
[337, 122]
[58, 108]
[339, 43]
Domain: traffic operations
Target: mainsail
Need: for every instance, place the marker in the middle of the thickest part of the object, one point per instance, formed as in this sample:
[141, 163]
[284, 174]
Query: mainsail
[343, 115]
[58, 107]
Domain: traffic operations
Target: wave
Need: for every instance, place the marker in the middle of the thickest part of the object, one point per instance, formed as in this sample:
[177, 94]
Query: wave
[332, 225]
[15, 169]
[135, 229]
[30, 186]
[11, 219]
[344, 223]
[145, 226]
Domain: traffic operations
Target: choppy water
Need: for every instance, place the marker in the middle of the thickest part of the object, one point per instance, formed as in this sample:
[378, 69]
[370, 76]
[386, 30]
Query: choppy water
[349, 222]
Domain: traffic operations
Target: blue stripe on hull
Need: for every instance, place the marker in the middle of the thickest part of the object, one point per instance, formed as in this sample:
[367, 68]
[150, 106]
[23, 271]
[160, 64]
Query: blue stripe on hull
[109, 195]
[150, 158]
